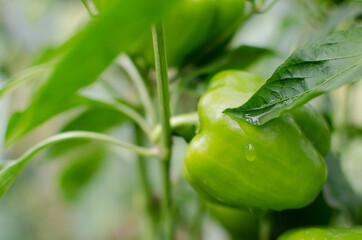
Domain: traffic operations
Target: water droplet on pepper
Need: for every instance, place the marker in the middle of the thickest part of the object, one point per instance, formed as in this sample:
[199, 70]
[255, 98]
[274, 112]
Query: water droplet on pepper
[250, 153]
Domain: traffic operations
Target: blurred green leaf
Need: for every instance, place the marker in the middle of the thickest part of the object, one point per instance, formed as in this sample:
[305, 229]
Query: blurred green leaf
[17, 118]
[339, 193]
[82, 167]
[98, 3]
[310, 71]
[8, 173]
[343, 16]
[353, 131]
[14, 118]
[187, 132]
[96, 120]
[31, 74]
[4, 163]
[118, 26]
[185, 125]
[91, 7]
[350, 155]
[52, 53]
[85, 157]
[238, 58]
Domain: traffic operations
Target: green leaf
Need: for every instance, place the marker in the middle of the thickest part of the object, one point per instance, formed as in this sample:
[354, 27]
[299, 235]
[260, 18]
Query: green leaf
[339, 193]
[94, 119]
[115, 30]
[80, 170]
[310, 71]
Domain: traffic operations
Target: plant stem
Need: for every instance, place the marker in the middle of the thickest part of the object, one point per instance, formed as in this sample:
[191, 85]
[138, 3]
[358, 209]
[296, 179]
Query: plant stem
[147, 191]
[166, 203]
[127, 64]
[164, 112]
[162, 87]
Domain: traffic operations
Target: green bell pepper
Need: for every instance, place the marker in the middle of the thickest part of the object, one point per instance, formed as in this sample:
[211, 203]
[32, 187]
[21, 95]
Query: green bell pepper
[273, 166]
[195, 28]
[354, 233]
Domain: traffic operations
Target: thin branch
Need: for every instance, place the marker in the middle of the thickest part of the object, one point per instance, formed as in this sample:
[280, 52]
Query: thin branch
[10, 169]
[88, 136]
[135, 116]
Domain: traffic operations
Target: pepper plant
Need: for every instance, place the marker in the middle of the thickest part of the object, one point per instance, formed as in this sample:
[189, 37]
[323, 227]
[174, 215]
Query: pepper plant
[259, 158]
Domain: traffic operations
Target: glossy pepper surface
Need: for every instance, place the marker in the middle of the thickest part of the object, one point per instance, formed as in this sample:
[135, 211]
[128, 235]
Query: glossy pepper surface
[273, 166]
[354, 233]
[195, 27]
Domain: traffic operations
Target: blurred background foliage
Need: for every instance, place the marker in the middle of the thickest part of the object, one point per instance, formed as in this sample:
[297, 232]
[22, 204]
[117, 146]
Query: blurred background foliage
[90, 192]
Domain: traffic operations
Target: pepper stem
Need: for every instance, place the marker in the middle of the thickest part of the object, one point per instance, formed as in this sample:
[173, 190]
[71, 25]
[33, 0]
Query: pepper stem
[164, 114]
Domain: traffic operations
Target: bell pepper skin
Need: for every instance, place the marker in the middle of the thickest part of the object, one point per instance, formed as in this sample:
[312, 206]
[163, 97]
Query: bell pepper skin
[354, 233]
[194, 27]
[241, 224]
[232, 162]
